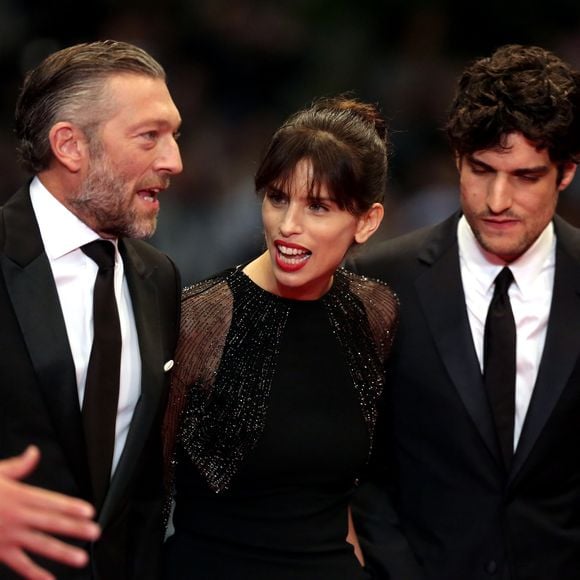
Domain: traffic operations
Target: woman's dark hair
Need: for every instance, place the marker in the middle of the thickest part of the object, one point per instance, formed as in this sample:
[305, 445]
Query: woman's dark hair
[344, 140]
[519, 89]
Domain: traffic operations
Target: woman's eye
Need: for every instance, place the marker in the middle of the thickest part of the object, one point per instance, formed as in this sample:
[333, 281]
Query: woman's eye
[318, 207]
[275, 197]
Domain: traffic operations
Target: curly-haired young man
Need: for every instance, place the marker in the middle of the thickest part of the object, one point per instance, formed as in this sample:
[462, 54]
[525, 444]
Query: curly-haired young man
[480, 450]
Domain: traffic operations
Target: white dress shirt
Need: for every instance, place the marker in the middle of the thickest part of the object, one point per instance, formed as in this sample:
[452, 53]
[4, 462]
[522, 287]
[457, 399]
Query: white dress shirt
[74, 273]
[530, 296]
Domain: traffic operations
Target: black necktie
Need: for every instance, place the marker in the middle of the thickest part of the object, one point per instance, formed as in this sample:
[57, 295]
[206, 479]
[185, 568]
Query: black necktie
[500, 362]
[102, 385]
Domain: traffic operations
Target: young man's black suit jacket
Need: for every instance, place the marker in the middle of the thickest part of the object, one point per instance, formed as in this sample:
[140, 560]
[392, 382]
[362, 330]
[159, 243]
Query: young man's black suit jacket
[457, 515]
[39, 399]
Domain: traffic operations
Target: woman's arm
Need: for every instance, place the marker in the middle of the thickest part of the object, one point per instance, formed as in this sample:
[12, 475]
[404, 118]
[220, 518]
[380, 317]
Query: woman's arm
[352, 538]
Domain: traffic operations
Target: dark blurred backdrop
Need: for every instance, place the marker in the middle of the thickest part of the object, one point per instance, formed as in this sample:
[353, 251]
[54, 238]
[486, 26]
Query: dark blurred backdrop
[237, 68]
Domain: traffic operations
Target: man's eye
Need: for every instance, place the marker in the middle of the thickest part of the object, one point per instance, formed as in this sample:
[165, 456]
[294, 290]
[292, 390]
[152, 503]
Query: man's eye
[530, 178]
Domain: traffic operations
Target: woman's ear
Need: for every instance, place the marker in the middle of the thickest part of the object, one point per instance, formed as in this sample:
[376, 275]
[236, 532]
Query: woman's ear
[69, 145]
[369, 223]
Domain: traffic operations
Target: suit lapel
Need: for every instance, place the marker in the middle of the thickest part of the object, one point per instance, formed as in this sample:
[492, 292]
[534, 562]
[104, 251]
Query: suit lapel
[441, 295]
[144, 298]
[562, 346]
[34, 297]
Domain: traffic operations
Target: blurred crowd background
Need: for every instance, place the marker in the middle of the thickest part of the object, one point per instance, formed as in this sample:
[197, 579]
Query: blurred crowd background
[238, 68]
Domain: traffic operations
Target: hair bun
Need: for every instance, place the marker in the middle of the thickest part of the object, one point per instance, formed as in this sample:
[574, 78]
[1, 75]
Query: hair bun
[370, 113]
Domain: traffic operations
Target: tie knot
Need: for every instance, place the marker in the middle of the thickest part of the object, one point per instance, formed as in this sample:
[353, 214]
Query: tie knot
[503, 281]
[101, 252]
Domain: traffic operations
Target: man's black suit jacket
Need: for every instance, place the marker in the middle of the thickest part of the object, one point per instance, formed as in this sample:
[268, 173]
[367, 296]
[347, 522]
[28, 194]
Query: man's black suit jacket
[446, 510]
[39, 399]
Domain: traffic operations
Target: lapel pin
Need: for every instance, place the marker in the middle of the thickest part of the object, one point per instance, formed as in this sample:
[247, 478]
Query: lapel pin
[168, 365]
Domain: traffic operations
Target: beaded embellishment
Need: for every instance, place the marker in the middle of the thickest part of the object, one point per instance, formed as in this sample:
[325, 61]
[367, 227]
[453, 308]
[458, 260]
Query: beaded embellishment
[227, 355]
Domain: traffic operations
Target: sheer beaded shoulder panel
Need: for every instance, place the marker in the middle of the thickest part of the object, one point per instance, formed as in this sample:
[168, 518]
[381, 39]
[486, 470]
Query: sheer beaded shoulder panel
[382, 309]
[364, 313]
[224, 366]
[206, 315]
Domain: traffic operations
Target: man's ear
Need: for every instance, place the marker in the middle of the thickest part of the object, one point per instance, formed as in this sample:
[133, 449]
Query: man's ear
[69, 145]
[568, 172]
[369, 223]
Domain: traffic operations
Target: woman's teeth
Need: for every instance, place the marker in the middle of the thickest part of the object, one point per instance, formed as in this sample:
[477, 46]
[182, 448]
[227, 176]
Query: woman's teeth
[293, 255]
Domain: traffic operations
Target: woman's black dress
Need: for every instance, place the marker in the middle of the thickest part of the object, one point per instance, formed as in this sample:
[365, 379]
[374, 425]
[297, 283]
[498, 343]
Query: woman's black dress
[283, 514]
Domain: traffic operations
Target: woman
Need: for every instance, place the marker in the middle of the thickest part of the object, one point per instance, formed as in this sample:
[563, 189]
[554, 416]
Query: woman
[280, 364]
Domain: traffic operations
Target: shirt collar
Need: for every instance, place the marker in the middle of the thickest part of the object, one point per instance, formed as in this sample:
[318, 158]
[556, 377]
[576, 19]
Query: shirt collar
[62, 231]
[483, 268]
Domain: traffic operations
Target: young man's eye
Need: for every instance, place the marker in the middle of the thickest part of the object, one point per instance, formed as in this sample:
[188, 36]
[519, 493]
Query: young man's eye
[530, 178]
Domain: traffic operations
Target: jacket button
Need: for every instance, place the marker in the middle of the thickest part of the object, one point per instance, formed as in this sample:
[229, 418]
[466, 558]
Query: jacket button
[491, 567]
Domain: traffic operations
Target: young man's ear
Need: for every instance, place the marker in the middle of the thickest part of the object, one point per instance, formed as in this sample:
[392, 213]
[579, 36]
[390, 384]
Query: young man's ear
[568, 172]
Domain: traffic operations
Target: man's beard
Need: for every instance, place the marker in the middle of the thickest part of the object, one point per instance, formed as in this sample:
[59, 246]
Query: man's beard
[106, 201]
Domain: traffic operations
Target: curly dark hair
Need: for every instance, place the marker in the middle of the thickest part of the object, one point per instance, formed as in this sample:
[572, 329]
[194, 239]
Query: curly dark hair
[523, 89]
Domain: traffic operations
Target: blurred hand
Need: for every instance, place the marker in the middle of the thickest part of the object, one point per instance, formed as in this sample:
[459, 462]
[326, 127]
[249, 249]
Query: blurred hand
[29, 515]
